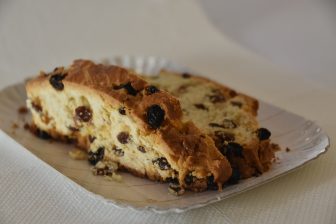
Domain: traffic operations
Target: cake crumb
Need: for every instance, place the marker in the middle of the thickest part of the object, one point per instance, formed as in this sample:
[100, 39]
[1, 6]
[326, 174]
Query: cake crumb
[107, 169]
[77, 154]
[175, 190]
[26, 126]
[288, 149]
[117, 177]
[14, 125]
[114, 177]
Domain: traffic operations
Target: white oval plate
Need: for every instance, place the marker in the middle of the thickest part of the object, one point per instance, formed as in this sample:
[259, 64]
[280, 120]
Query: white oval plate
[305, 139]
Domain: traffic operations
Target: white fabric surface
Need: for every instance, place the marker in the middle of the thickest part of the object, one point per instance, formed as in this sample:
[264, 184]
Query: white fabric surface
[43, 34]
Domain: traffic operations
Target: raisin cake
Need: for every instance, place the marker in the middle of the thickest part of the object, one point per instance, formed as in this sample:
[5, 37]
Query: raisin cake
[118, 117]
[225, 115]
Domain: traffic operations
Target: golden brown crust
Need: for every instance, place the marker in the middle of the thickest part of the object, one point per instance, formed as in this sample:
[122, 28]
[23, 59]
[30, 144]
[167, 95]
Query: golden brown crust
[184, 143]
[103, 78]
[189, 144]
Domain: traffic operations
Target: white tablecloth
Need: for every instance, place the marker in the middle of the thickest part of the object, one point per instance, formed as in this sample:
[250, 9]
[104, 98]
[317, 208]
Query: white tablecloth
[44, 34]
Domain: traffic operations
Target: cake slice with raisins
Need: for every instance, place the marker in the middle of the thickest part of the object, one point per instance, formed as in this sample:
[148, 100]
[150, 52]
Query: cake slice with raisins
[120, 119]
[225, 115]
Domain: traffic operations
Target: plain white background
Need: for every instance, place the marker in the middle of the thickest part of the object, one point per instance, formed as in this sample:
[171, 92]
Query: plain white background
[297, 34]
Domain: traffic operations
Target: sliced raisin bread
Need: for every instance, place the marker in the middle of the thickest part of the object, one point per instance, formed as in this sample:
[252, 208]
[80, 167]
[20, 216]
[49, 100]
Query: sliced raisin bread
[118, 117]
[225, 115]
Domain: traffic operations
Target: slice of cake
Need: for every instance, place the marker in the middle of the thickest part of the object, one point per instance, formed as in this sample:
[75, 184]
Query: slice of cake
[121, 119]
[225, 115]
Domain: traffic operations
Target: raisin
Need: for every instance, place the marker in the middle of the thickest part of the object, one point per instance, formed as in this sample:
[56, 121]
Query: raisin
[42, 134]
[128, 87]
[189, 179]
[95, 157]
[123, 137]
[232, 93]
[235, 149]
[217, 97]
[186, 75]
[151, 90]
[22, 110]
[37, 107]
[83, 113]
[236, 104]
[235, 177]
[130, 90]
[142, 149]
[56, 81]
[155, 116]
[92, 138]
[263, 134]
[162, 163]
[172, 180]
[211, 184]
[122, 111]
[118, 152]
[223, 149]
[200, 106]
